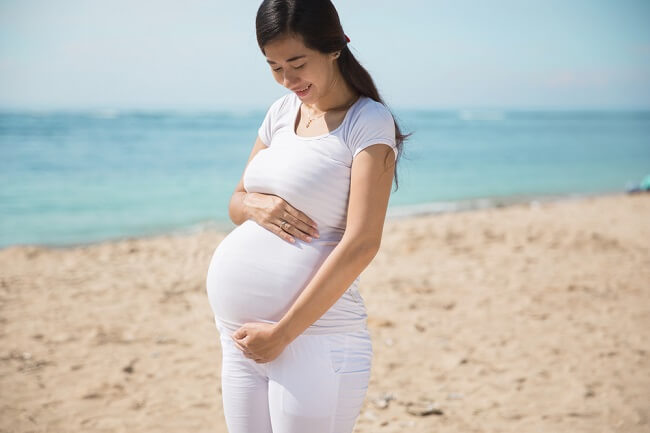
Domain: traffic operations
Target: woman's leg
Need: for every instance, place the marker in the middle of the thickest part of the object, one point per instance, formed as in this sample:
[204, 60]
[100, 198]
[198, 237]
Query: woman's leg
[319, 382]
[244, 387]
[354, 375]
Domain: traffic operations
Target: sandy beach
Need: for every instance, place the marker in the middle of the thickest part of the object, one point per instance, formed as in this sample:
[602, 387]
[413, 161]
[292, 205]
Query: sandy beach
[523, 318]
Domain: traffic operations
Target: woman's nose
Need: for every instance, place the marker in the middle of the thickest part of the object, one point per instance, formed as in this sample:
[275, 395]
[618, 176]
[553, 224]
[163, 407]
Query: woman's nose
[289, 80]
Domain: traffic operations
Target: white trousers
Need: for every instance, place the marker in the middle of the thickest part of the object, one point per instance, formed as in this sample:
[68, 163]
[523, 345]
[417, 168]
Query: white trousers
[316, 385]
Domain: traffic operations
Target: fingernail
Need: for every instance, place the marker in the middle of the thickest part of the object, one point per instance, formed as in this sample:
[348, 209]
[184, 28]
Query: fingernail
[308, 239]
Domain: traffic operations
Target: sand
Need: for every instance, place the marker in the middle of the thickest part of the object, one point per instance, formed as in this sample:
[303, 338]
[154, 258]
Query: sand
[524, 318]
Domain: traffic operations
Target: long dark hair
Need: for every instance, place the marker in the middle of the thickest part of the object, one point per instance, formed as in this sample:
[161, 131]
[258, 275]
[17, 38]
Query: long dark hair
[317, 22]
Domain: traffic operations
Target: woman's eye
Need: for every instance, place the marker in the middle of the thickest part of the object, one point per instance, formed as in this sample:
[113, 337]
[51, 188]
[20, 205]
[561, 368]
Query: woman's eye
[297, 67]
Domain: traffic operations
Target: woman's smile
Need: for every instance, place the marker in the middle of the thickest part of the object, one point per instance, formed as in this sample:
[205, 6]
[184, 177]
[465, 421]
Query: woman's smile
[304, 92]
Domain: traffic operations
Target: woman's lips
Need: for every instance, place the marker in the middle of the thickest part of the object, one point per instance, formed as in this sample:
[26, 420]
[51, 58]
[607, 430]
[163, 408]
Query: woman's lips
[303, 93]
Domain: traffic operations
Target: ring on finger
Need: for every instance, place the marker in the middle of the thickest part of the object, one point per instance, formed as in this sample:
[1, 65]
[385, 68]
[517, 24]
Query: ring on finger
[284, 225]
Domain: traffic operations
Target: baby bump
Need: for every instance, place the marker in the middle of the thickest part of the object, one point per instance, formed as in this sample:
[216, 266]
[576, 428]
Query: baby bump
[254, 275]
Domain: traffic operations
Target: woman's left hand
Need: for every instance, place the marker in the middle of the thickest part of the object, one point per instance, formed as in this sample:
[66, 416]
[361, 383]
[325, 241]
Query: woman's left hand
[259, 341]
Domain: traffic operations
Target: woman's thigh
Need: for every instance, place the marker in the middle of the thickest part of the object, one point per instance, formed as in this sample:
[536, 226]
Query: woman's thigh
[319, 382]
[244, 388]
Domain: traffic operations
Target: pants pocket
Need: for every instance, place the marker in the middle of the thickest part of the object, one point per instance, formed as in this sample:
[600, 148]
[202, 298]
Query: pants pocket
[337, 350]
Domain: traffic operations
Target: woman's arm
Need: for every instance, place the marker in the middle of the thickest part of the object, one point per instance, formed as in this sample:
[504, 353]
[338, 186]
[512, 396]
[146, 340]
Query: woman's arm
[370, 184]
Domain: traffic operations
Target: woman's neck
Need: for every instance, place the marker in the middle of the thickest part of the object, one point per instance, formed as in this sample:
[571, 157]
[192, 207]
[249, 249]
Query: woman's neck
[339, 96]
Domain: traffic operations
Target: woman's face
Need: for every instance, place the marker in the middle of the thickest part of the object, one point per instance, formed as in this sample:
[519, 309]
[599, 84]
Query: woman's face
[297, 67]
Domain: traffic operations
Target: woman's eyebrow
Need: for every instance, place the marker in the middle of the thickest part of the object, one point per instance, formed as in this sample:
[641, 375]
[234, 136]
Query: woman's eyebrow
[271, 62]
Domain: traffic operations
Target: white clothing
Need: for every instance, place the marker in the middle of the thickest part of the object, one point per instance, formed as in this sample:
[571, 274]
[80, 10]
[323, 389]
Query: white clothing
[317, 385]
[254, 275]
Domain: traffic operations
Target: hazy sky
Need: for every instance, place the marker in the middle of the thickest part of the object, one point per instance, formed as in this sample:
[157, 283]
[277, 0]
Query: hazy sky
[194, 54]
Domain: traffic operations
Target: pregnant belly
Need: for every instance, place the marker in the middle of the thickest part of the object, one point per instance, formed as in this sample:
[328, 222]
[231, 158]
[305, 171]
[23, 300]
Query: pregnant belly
[255, 276]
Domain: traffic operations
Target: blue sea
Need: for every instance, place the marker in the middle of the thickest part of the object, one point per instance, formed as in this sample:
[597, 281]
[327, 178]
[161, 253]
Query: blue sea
[72, 178]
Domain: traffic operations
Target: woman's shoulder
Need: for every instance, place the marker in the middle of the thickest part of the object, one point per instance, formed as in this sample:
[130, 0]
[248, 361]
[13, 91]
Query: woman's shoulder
[370, 111]
[371, 123]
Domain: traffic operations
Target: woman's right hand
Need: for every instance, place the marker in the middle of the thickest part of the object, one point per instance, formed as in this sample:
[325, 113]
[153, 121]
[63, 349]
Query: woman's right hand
[270, 211]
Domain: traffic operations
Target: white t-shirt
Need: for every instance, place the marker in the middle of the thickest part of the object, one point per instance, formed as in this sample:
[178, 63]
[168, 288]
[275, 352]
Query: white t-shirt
[313, 173]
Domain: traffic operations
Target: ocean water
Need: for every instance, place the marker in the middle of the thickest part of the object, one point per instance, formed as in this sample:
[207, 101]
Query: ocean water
[80, 177]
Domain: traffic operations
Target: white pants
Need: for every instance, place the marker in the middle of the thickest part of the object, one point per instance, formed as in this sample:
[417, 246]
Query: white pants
[316, 385]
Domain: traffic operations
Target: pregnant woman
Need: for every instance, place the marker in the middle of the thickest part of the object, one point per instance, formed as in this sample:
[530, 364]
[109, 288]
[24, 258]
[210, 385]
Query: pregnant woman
[309, 209]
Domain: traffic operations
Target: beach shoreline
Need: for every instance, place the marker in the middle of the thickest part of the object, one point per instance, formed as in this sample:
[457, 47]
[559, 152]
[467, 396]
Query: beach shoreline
[393, 214]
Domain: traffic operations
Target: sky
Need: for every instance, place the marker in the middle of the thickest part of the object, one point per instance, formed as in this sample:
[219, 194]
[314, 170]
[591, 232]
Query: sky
[203, 55]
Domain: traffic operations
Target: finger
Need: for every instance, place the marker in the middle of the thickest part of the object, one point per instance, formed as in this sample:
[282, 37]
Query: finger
[278, 231]
[288, 227]
[301, 216]
[303, 229]
[248, 353]
[240, 346]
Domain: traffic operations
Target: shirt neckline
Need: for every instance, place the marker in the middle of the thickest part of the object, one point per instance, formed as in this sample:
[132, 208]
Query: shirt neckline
[314, 137]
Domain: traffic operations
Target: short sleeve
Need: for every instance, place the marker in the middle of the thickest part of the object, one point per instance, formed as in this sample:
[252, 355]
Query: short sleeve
[266, 130]
[374, 125]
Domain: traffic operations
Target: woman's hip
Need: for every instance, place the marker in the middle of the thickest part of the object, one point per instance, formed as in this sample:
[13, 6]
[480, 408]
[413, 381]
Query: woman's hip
[321, 354]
